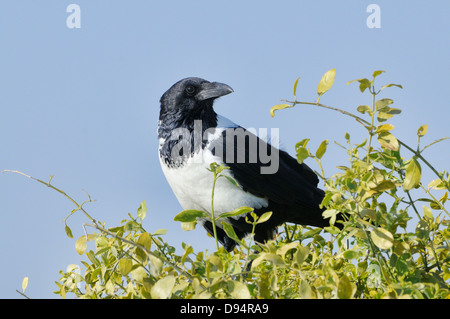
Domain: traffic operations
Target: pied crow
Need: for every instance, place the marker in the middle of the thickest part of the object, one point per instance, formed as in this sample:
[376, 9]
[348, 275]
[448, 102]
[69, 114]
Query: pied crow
[192, 136]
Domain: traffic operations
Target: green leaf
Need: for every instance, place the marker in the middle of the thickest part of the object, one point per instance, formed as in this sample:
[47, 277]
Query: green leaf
[389, 85]
[427, 212]
[413, 174]
[24, 284]
[437, 184]
[68, 231]
[383, 104]
[264, 217]
[238, 290]
[382, 238]
[163, 287]
[387, 113]
[295, 87]
[305, 290]
[326, 82]
[229, 230]
[345, 288]
[231, 180]
[187, 251]
[279, 107]
[332, 230]
[275, 259]
[131, 226]
[125, 266]
[302, 143]
[284, 249]
[301, 255]
[237, 212]
[321, 149]
[188, 226]
[142, 210]
[363, 109]
[422, 130]
[384, 128]
[145, 240]
[81, 245]
[302, 154]
[423, 230]
[330, 213]
[161, 231]
[387, 140]
[351, 254]
[377, 73]
[189, 215]
[216, 261]
[363, 84]
[384, 186]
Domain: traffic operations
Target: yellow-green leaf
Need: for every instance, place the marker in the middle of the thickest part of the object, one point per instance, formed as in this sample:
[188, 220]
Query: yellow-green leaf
[142, 210]
[321, 149]
[275, 259]
[422, 130]
[189, 215]
[387, 113]
[264, 217]
[81, 245]
[413, 174]
[305, 290]
[382, 238]
[363, 109]
[302, 154]
[229, 230]
[278, 107]
[389, 85]
[238, 290]
[68, 231]
[163, 287]
[387, 140]
[363, 84]
[301, 255]
[239, 211]
[385, 128]
[284, 249]
[345, 288]
[145, 240]
[24, 284]
[125, 266]
[188, 226]
[377, 73]
[326, 82]
[295, 87]
[427, 212]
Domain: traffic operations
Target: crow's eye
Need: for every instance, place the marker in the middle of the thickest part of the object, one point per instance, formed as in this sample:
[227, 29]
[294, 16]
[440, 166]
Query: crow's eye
[190, 90]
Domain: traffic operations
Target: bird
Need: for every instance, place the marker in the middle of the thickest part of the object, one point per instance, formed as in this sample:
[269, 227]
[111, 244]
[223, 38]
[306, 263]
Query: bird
[192, 136]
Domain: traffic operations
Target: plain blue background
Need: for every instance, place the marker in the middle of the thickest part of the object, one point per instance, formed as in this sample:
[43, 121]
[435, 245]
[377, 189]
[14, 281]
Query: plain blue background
[83, 104]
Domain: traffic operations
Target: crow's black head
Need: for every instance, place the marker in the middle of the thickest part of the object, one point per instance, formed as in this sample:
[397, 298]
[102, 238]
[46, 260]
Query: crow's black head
[189, 99]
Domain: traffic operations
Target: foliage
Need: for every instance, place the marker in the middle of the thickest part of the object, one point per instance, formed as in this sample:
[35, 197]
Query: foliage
[391, 245]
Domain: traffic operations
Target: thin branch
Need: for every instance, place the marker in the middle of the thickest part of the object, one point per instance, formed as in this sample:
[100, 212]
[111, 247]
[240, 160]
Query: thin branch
[79, 207]
[361, 120]
[22, 294]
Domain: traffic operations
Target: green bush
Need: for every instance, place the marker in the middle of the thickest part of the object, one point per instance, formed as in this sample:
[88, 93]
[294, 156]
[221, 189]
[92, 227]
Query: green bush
[375, 255]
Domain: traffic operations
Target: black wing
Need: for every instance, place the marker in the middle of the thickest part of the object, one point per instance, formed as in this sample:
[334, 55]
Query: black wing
[291, 189]
[292, 186]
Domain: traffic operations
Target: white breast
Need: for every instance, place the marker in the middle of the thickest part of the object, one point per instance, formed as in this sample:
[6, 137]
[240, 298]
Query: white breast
[192, 185]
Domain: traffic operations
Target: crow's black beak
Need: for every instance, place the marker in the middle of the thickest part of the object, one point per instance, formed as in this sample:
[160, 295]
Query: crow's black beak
[212, 90]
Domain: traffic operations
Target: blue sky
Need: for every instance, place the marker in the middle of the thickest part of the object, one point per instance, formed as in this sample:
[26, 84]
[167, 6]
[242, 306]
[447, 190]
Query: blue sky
[83, 104]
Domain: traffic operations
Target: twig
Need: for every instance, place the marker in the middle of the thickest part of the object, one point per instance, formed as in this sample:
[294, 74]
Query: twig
[79, 207]
[22, 294]
[360, 120]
